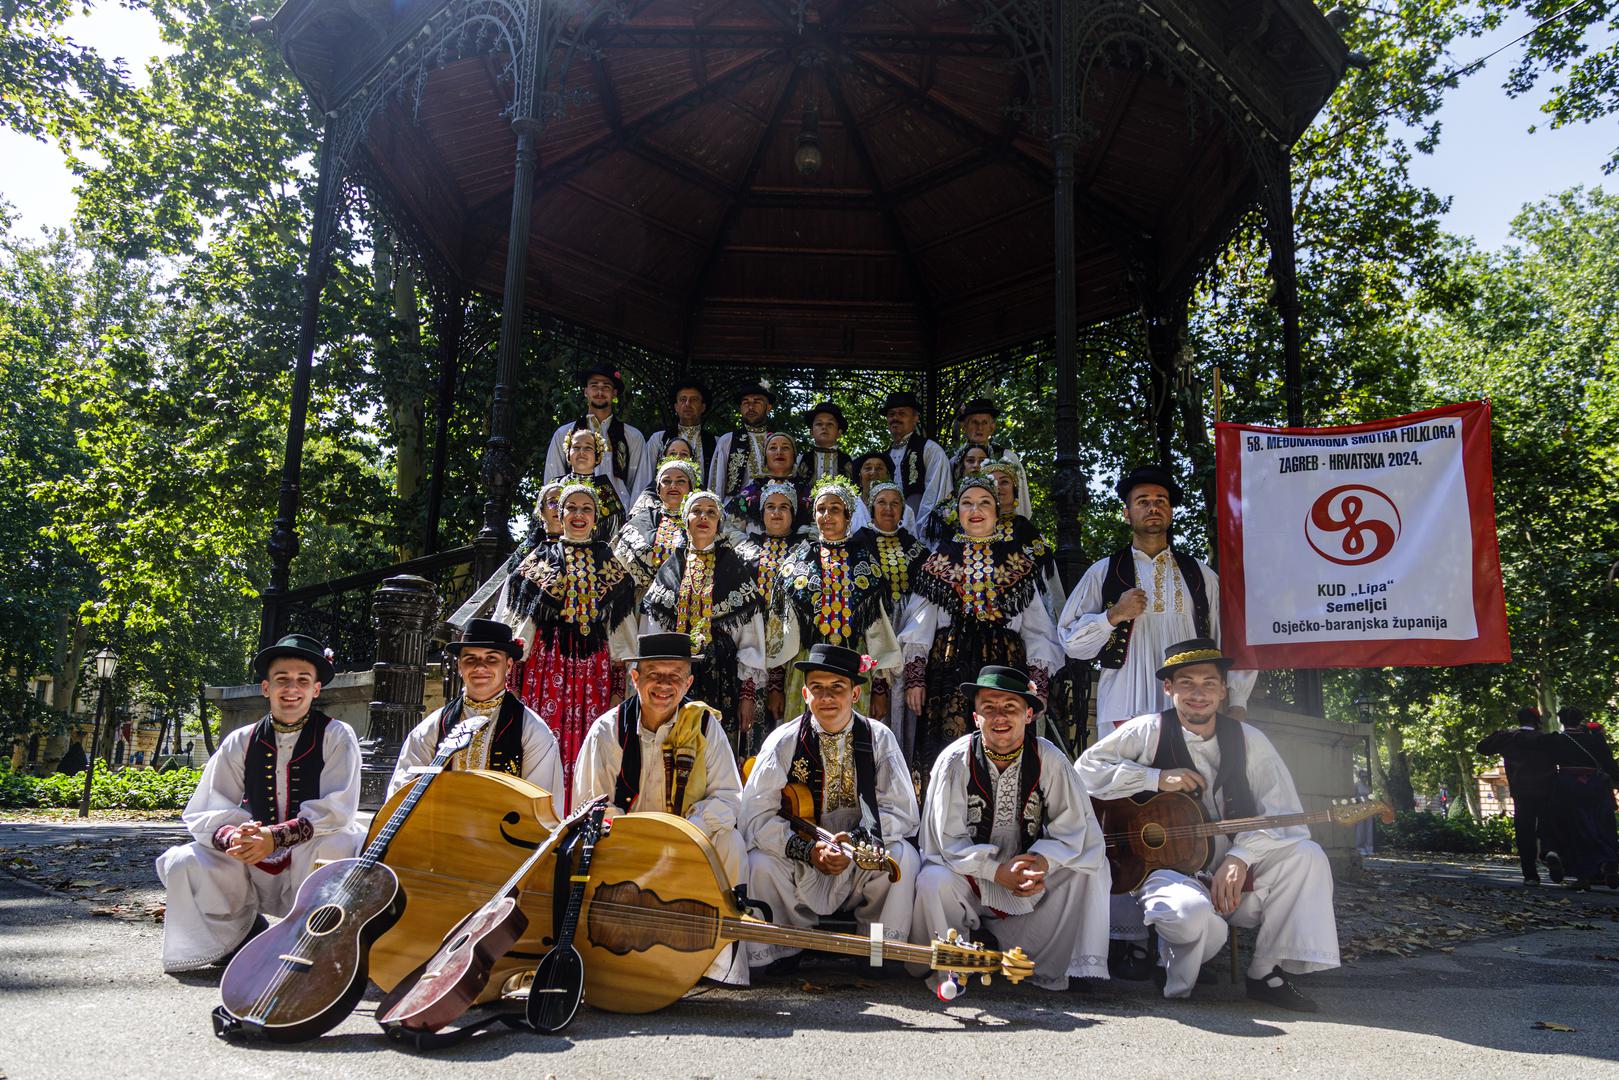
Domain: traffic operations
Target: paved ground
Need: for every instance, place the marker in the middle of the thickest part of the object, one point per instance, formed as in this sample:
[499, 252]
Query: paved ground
[81, 996]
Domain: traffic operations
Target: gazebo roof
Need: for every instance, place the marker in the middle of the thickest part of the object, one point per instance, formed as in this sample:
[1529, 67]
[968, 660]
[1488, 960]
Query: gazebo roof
[668, 210]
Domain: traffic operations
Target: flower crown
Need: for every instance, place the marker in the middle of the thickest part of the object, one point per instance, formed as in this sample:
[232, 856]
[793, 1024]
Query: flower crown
[588, 489]
[682, 464]
[838, 486]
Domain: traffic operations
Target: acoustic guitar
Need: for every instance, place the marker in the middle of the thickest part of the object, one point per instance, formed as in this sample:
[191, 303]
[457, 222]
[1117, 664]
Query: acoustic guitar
[1168, 830]
[657, 911]
[443, 988]
[301, 977]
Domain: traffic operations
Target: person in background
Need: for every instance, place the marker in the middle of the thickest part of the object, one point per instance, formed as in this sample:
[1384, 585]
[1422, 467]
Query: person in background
[1530, 778]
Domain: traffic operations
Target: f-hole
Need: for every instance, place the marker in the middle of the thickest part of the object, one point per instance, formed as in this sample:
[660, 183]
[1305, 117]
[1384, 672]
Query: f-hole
[512, 818]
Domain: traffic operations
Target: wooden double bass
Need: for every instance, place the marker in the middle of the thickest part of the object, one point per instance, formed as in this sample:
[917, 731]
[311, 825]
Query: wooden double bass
[657, 911]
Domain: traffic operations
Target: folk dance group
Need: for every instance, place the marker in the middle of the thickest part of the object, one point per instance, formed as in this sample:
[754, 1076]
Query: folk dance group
[873, 628]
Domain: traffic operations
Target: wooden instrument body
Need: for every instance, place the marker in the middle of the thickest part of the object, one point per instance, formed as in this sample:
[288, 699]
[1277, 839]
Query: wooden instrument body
[1150, 832]
[447, 983]
[474, 828]
[301, 977]
[798, 807]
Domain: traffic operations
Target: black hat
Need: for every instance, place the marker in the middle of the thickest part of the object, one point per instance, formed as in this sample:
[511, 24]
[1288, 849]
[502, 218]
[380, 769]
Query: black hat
[899, 399]
[762, 388]
[978, 405]
[665, 647]
[486, 634]
[301, 647]
[607, 372]
[1529, 716]
[1009, 679]
[863, 458]
[1149, 474]
[1198, 650]
[1569, 716]
[836, 659]
[689, 384]
[831, 410]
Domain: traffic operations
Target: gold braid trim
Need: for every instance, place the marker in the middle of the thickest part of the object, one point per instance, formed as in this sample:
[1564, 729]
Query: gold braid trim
[1196, 656]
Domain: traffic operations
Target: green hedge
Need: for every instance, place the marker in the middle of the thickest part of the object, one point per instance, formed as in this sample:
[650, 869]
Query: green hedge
[1452, 835]
[131, 789]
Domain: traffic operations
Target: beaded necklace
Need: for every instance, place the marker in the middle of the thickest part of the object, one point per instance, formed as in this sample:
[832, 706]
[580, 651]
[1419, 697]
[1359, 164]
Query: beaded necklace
[663, 539]
[288, 729]
[836, 617]
[580, 602]
[772, 550]
[694, 607]
[979, 594]
[896, 568]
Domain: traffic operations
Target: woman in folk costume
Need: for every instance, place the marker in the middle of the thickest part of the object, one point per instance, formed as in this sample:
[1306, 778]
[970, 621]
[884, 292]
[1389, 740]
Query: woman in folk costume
[767, 548]
[547, 524]
[832, 590]
[567, 599]
[871, 468]
[977, 603]
[900, 554]
[1012, 503]
[677, 449]
[709, 592]
[585, 450]
[781, 460]
[941, 523]
[276, 797]
[652, 532]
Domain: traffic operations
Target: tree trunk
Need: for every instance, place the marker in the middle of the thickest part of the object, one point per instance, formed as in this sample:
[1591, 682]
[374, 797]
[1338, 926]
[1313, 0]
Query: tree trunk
[202, 721]
[1400, 794]
[394, 283]
[1467, 787]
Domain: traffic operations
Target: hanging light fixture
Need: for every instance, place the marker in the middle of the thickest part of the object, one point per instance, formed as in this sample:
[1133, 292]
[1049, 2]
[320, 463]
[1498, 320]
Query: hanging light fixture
[808, 156]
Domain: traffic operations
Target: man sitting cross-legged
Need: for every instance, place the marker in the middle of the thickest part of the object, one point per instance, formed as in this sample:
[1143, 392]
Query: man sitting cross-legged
[276, 797]
[658, 752]
[1234, 770]
[1009, 840]
[860, 785]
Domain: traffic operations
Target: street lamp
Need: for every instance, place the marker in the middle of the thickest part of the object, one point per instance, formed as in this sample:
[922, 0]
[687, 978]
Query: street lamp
[807, 157]
[106, 666]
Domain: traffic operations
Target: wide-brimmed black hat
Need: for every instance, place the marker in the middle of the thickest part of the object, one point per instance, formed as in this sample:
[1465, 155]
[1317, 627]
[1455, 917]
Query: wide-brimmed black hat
[762, 388]
[1198, 650]
[831, 410]
[300, 647]
[1149, 474]
[899, 399]
[1008, 679]
[978, 405]
[836, 659]
[665, 647]
[690, 384]
[606, 371]
[487, 634]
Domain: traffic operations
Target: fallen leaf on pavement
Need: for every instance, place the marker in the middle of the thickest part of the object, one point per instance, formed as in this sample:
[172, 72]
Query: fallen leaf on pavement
[811, 988]
[1551, 1025]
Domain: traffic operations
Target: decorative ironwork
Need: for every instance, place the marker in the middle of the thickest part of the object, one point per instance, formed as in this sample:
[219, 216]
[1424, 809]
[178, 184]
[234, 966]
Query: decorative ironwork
[402, 611]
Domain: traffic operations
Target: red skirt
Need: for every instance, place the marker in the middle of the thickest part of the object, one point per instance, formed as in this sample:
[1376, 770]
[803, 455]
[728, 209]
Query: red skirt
[568, 693]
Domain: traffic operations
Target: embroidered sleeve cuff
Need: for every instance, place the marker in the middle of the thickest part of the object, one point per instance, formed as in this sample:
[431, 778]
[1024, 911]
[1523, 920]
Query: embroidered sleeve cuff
[1042, 681]
[799, 848]
[291, 833]
[222, 837]
[778, 679]
[916, 673]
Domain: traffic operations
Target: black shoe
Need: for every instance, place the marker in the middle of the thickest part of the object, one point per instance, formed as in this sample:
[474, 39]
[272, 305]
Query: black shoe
[260, 925]
[1532, 882]
[1554, 866]
[1131, 961]
[1284, 995]
[1610, 876]
[782, 965]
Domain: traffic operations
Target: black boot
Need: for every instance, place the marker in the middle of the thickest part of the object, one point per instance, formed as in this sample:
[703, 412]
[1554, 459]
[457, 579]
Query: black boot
[1554, 866]
[1131, 961]
[1277, 989]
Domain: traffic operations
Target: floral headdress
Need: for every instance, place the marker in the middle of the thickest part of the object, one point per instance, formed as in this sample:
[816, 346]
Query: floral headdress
[596, 436]
[846, 492]
[683, 465]
[1000, 465]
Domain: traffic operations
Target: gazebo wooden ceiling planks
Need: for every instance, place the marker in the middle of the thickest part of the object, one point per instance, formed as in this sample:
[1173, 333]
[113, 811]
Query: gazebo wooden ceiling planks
[993, 172]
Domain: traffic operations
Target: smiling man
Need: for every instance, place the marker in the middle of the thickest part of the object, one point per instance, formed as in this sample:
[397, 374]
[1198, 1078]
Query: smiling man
[1009, 840]
[688, 401]
[275, 797]
[1276, 879]
[920, 466]
[624, 457]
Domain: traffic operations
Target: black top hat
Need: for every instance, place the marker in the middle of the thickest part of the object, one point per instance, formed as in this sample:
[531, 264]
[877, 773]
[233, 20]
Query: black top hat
[665, 647]
[487, 634]
[1149, 474]
[831, 410]
[1009, 679]
[606, 371]
[978, 405]
[836, 659]
[301, 647]
[689, 384]
[1198, 650]
[762, 388]
[899, 399]
[863, 458]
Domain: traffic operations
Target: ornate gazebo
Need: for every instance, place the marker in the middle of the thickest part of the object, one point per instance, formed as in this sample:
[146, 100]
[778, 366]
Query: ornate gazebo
[866, 186]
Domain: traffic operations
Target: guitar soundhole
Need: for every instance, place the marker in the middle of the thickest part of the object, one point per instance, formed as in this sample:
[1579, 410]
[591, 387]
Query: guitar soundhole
[324, 919]
[1152, 835]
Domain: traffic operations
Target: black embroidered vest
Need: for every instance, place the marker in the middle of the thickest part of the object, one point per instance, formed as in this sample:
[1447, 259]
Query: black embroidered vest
[808, 768]
[1031, 809]
[1231, 781]
[1121, 578]
[506, 742]
[627, 788]
[303, 769]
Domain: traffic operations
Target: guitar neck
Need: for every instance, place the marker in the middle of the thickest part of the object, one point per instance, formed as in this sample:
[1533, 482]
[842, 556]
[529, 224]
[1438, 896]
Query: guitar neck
[375, 850]
[1237, 825]
[821, 941]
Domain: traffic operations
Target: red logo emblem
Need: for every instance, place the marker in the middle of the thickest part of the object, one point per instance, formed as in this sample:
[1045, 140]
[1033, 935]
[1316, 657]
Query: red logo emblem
[1352, 525]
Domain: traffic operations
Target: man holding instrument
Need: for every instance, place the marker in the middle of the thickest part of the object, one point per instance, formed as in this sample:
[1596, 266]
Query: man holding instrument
[1009, 839]
[515, 740]
[861, 791]
[657, 752]
[276, 797]
[1235, 772]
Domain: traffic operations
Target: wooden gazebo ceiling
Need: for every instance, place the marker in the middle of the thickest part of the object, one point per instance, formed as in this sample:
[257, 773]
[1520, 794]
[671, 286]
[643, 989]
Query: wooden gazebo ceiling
[668, 210]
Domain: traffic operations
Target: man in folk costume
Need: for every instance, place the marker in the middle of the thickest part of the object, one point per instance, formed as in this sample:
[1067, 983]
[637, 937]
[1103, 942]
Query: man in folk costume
[275, 798]
[1531, 776]
[1586, 777]
[860, 787]
[921, 467]
[1277, 879]
[739, 455]
[688, 401]
[976, 421]
[515, 740]
[1008, 838]
[825, 457]
[659, 752]
[625, 458]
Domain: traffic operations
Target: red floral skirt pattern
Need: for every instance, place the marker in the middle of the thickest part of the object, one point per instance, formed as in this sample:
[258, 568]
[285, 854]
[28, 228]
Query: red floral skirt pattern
[568, 693]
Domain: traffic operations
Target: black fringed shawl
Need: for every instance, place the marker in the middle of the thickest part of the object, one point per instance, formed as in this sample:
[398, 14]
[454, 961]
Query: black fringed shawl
[539, 591]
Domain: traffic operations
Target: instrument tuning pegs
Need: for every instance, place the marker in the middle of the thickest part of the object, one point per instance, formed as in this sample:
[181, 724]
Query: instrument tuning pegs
[952, 936]
[985, 980]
